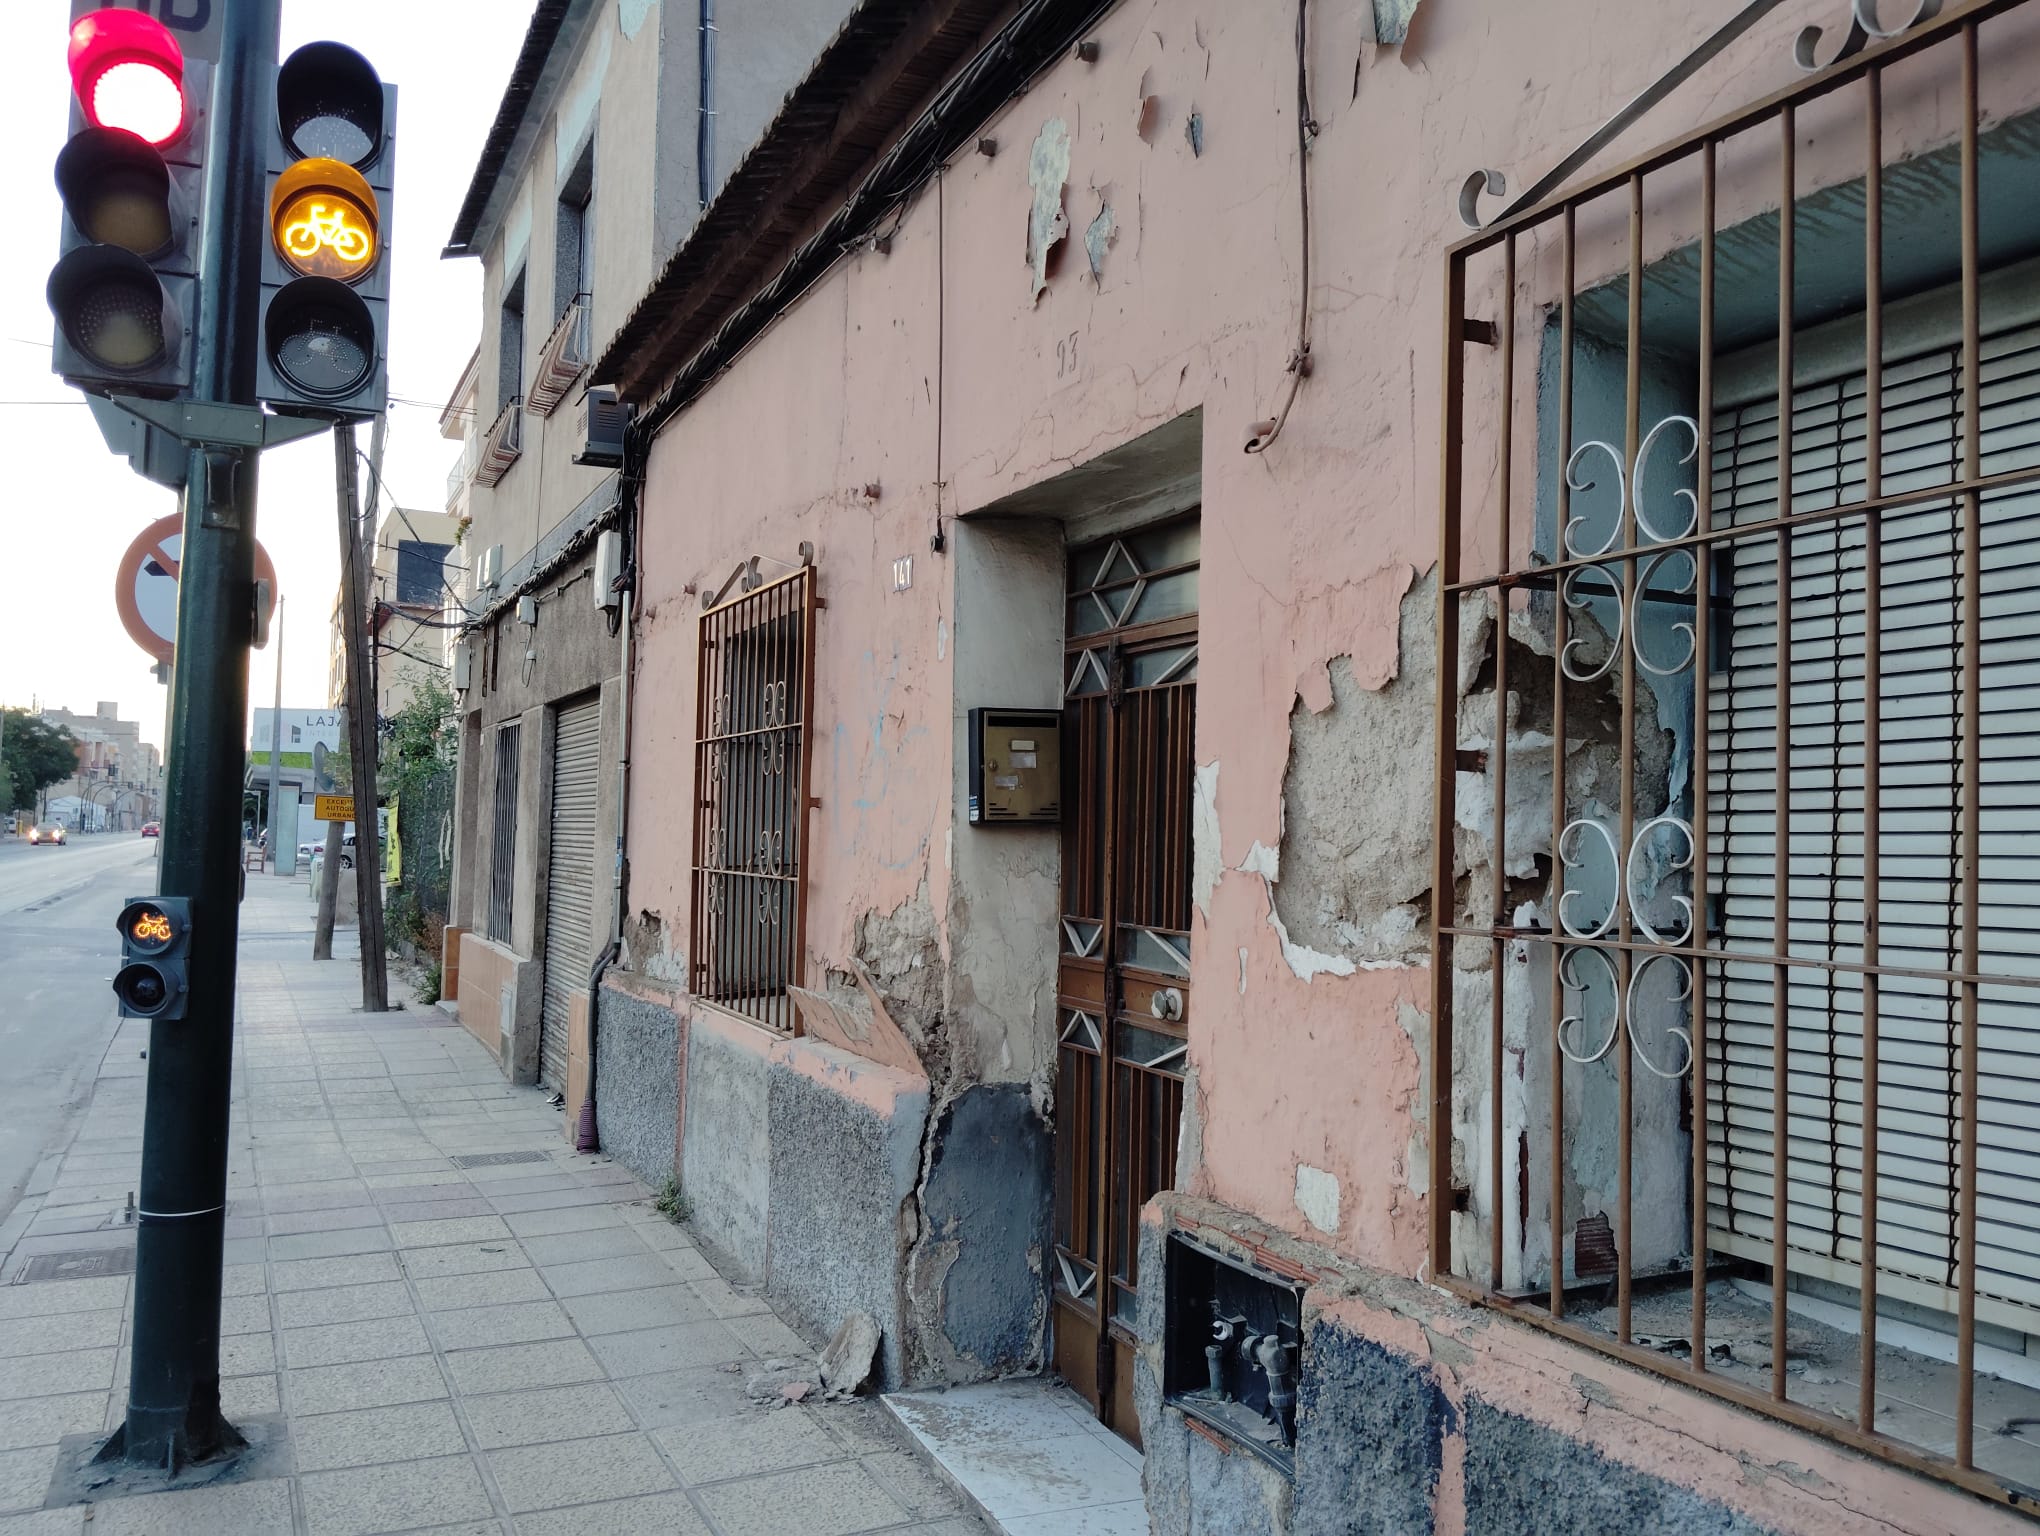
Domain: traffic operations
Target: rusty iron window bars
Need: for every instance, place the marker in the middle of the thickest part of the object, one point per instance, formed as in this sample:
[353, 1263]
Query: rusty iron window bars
[754, 684]
[1813, 959]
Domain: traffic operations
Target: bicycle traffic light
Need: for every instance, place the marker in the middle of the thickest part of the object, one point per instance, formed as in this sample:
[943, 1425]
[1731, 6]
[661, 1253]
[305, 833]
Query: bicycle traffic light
[155, 938]
[325, 302]
[124, 290]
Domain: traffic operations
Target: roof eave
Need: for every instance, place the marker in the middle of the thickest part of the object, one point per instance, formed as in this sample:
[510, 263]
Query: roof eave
[511, 134]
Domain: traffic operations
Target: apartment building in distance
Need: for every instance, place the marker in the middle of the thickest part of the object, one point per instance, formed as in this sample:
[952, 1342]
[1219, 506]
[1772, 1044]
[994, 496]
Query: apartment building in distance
[119, 782]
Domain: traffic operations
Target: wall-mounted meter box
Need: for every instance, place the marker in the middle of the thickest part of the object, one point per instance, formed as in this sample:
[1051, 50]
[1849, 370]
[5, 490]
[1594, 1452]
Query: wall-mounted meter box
[1015, 767]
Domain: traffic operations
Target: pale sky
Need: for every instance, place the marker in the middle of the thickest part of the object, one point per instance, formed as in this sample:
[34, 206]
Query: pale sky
[71, 507]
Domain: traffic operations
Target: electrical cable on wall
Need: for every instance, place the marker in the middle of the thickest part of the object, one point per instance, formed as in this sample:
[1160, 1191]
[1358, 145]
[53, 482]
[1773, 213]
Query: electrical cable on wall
[941, 352]
[1263, 433]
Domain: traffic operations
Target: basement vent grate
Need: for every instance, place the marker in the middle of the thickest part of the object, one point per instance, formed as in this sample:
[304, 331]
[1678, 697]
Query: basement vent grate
[497, 1159]
[79, 1264]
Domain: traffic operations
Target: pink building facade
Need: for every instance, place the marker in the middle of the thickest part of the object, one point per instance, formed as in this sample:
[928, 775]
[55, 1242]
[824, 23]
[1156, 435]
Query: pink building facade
[984, 470]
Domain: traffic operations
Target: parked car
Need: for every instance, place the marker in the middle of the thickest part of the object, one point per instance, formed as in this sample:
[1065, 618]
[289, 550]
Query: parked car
[48, 832]
[152, 829]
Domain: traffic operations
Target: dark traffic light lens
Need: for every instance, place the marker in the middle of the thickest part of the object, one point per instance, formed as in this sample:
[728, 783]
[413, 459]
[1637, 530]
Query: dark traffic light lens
[321, 337]
[334, 134]
[329, 102]
[120, 324]
[142, 988]
[118, 191]
[111, 307]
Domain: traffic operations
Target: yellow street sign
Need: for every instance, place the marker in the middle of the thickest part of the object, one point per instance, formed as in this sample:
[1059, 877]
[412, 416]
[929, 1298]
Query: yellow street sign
[332, 807]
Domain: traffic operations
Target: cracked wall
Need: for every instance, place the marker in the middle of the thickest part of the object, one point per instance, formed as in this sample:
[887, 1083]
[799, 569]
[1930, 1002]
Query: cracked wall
[1306, 1098]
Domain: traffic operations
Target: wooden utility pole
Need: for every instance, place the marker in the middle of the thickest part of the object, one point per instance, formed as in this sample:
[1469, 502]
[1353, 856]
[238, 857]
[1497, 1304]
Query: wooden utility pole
[361, 730]
[329, 887]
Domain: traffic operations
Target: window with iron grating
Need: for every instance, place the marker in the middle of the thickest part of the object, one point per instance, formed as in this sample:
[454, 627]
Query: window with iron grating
[753, 686]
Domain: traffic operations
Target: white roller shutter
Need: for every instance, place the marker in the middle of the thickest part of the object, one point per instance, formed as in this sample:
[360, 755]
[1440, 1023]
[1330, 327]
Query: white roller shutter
[570, 884]
[1920, 1082]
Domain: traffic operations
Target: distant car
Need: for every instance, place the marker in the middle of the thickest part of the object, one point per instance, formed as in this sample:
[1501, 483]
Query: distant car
[308, 851]
[152, 829]
[48, 832]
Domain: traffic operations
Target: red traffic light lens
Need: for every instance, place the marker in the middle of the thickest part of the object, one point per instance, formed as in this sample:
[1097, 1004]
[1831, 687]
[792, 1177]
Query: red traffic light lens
[128, 73]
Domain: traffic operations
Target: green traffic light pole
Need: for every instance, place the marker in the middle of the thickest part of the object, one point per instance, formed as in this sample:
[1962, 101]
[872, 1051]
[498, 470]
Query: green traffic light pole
[173, 1413]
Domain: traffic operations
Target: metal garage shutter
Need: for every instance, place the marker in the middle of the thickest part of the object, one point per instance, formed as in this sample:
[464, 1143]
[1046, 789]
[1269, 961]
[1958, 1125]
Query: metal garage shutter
[570, 882]
[1920, 1079]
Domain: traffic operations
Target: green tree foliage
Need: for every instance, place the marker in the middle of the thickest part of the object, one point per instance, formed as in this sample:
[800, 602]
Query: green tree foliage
[418, 743]
[36, 755]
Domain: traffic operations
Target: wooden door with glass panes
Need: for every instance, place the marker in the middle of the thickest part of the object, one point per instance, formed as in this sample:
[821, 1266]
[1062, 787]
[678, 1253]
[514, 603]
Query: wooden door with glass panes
[1129, 728]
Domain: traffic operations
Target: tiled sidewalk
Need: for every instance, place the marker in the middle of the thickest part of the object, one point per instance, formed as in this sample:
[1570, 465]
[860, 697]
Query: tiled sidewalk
[468, 1327]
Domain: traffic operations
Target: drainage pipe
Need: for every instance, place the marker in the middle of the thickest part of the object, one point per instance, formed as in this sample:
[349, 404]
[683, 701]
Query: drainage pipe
[704, 130]
[586, 1137]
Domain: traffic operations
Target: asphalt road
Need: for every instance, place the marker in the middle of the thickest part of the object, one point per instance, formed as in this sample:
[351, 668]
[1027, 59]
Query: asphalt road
[58, 951]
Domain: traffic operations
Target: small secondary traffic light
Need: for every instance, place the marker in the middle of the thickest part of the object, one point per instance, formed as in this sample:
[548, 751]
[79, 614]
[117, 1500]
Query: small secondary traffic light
[124, 291]
[155, 937]
[326, 274]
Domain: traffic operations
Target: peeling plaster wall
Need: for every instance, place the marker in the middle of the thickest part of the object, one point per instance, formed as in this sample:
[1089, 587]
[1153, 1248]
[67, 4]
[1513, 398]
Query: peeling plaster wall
[1306, 1099]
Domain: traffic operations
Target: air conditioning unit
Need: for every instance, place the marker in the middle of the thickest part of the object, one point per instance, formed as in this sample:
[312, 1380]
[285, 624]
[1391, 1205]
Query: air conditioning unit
[491, 572]
[608, 566]
[463, 667]
[599, 422]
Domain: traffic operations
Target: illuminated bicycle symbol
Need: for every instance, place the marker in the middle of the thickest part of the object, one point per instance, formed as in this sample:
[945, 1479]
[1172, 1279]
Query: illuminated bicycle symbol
[327, 226]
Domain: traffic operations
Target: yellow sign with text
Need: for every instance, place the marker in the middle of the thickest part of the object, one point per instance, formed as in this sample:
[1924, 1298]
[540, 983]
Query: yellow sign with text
[332, 807]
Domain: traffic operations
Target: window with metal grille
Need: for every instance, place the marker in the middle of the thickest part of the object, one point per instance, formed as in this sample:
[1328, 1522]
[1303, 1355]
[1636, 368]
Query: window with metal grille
[503, 834]
[756, 665]
[1917, 884]
[1736, 975]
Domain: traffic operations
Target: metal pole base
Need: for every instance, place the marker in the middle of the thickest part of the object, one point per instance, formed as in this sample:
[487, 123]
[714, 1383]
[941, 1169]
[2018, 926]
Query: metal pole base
[173, 1410]
[171, 1441]
[90, 1472]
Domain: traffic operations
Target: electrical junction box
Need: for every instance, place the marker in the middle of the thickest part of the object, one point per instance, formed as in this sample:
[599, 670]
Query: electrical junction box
[1015, 767]
[599, 424]
[608, 567]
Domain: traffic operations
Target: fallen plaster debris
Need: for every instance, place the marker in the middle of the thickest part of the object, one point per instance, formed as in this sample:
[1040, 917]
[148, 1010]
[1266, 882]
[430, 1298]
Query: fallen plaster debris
[846, 1363]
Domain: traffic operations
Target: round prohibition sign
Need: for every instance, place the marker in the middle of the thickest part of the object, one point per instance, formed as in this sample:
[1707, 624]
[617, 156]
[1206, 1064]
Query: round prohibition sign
[145, 586]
